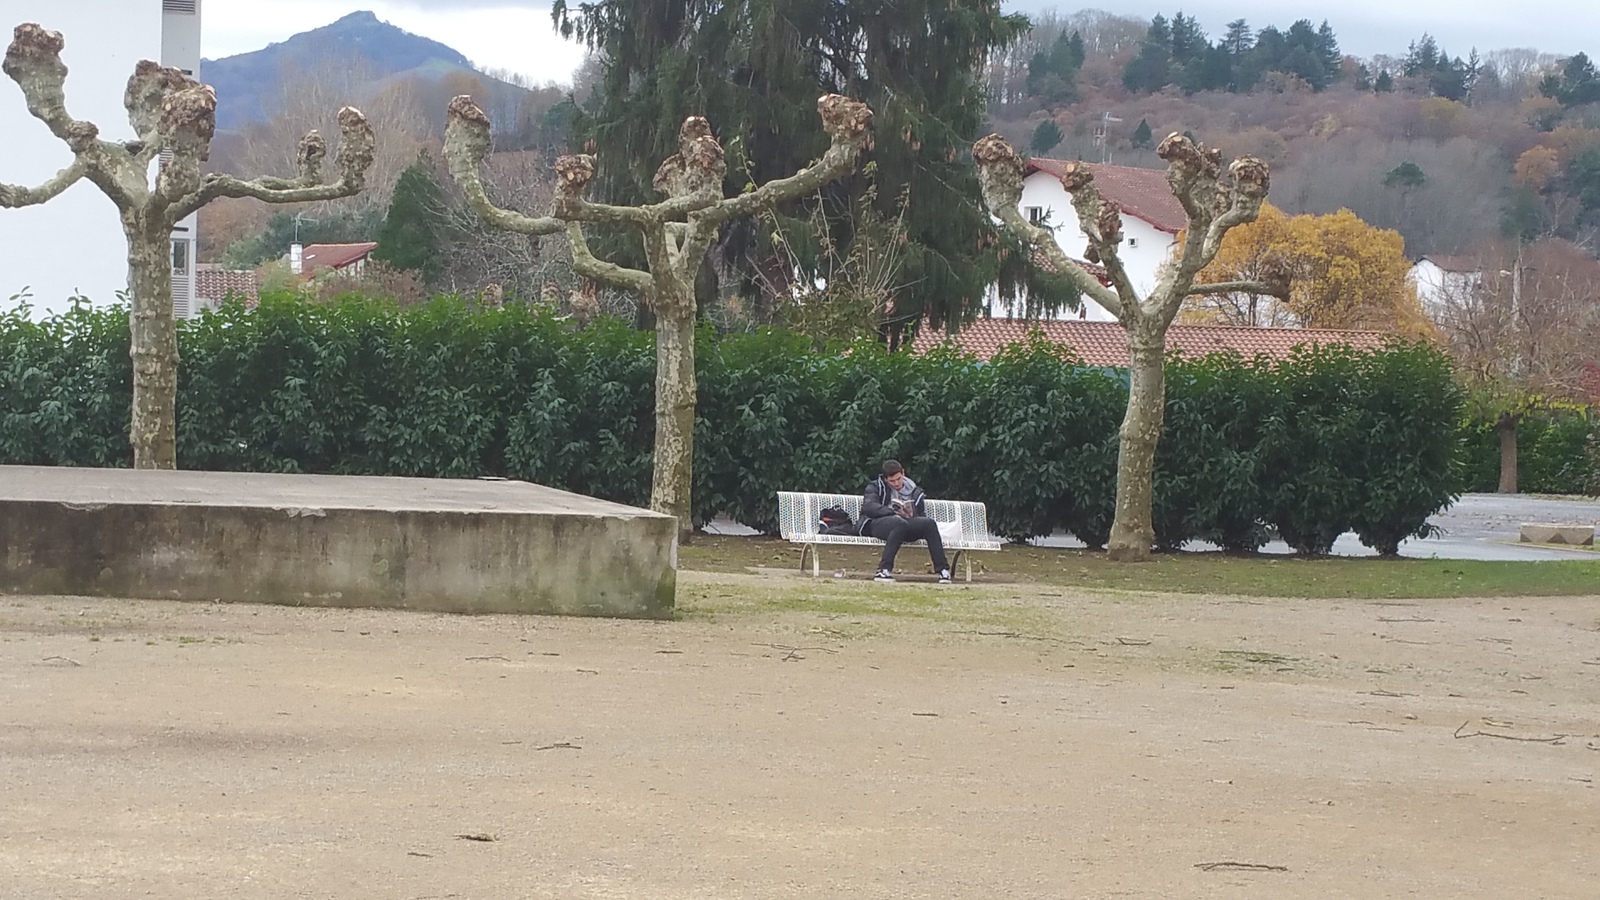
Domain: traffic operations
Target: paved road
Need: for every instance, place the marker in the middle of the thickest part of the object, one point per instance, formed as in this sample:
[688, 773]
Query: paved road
[1478, 526]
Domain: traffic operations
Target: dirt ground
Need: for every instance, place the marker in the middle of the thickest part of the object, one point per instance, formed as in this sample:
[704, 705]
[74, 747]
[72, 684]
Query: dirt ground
[908, 741]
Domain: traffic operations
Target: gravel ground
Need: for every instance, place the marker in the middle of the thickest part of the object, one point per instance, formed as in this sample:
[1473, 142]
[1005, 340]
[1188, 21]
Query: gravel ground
[1002, 741]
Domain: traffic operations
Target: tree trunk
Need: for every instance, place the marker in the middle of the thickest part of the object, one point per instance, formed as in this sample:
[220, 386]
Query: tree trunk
[153, 431]
[1133, 531]
[1506, 428]
[672, 481]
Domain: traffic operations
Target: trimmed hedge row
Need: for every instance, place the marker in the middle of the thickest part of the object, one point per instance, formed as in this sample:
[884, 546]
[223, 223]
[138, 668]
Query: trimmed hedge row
[1552, 457]
[1327, 441]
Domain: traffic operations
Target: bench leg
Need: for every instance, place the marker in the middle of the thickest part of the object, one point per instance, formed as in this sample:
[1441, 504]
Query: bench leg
[968, 560]
[816, 565]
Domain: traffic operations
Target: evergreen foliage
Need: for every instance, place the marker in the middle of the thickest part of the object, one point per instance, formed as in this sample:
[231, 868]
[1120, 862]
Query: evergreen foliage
[1179, 52]
[1052, 76]
[755, 72]
[416, 227]
[1552, 456]
[1328, 441]
[1045, 137]
[1446, 76]
[1142, 138]
[1576, 84]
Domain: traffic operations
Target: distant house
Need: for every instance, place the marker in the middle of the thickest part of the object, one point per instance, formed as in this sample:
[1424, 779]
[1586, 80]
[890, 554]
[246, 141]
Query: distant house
[1439, 277]
[1151, 220]
[1105, 343]
[349, 259]
[214, 284]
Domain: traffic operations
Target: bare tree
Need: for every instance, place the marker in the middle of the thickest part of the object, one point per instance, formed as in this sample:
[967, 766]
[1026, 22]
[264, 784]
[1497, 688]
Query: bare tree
[174, 117]
[1523, 331]
[677, 234]
[1213, 204]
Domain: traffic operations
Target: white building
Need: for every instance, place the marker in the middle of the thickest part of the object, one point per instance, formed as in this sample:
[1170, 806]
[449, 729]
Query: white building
[1151, 221]
[73, 245]
[1440, 278]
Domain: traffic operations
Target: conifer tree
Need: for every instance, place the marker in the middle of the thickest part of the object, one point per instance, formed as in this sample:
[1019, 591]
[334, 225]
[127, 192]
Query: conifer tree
[756, 69]
[1045, 137]
[1142, 138]
[412, 236]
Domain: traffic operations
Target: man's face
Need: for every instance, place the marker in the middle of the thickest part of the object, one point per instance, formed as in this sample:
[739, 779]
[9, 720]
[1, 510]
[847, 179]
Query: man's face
[895, 480]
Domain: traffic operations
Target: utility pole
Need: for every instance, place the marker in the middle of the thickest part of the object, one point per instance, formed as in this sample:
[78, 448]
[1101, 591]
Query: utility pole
[1102, 136]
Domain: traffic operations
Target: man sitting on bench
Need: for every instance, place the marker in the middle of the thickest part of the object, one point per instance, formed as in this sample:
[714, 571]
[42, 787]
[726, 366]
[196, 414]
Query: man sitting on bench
[892, 511]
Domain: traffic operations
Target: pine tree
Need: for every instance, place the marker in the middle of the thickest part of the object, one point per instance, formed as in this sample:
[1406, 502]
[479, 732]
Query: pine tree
[756, 69]
[1238, 39]
[1142, 138]
[1045, 137]
[413, 232]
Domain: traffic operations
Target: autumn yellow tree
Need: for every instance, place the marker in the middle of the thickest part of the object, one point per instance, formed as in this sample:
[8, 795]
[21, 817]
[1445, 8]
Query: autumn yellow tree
[1342, 273]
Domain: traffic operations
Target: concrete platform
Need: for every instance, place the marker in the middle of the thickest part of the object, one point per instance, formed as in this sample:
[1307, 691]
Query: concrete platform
[441, 545]
[1549, 533]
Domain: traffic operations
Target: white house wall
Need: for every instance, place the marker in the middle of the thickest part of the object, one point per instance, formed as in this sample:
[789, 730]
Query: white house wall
[1435, 286]
[1144, 247]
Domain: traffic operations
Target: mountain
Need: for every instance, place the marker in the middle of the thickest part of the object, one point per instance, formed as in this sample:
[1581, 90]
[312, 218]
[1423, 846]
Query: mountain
[248, 84]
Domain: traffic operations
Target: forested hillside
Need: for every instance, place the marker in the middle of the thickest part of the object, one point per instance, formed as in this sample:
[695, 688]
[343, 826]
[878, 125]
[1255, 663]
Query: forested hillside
[1452, 147]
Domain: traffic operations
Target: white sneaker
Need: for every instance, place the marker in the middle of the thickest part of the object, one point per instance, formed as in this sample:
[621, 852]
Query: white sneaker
[883, 575]
[944, 576]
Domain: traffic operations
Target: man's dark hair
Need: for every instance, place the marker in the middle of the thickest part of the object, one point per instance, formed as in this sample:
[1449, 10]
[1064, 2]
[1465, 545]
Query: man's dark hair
[892, 467]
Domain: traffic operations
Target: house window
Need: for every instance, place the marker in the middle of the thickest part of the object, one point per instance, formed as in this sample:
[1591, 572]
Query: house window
[181, 7]
[180, 257]
[1133, 242]
[1035, 215]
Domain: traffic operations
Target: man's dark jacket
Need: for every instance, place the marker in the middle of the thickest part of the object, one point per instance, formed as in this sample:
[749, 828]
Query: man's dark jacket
[875, 502]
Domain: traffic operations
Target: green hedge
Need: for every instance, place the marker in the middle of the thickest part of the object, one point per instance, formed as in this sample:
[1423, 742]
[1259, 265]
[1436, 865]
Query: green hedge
[1551, 454]
[1327, 441]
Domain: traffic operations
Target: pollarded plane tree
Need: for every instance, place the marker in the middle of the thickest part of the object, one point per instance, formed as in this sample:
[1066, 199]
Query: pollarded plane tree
[677, 233]
[173, 117]
[1214, 201]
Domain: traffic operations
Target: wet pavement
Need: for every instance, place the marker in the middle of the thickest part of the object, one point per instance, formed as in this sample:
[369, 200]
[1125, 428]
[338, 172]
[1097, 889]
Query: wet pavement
[1478, 526]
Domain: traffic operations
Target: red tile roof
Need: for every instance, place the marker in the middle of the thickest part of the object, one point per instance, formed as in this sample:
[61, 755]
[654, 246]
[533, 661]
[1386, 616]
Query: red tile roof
[1105, 343]
[333, 256]
[1143, 193]
[1464, 265]
[213, 284]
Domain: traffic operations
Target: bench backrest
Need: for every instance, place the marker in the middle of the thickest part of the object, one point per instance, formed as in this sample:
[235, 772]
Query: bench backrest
[800, 514]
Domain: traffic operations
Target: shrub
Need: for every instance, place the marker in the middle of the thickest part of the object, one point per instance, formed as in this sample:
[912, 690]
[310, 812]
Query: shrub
[1328, 440]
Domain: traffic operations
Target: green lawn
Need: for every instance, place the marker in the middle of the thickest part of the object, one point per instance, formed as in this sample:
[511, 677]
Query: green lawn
[1208, 573]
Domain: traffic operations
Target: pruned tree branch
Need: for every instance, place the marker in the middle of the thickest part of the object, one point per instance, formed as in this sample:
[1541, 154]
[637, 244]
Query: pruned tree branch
[173, 117]
[14, 196]
[1257, 288]
[467, 141]
[1212, 206]
[33, 61]
[356, 147]
[1000, 177]
[587, 265]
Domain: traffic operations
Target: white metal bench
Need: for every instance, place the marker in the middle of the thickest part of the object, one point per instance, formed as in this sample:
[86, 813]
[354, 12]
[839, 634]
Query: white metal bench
[800, 522]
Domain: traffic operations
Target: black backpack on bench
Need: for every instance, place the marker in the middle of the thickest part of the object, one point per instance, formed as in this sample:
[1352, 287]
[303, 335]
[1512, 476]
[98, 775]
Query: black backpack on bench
[834, 520]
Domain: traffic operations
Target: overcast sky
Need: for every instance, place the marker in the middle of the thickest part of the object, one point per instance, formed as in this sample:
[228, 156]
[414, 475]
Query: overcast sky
[517, 35]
